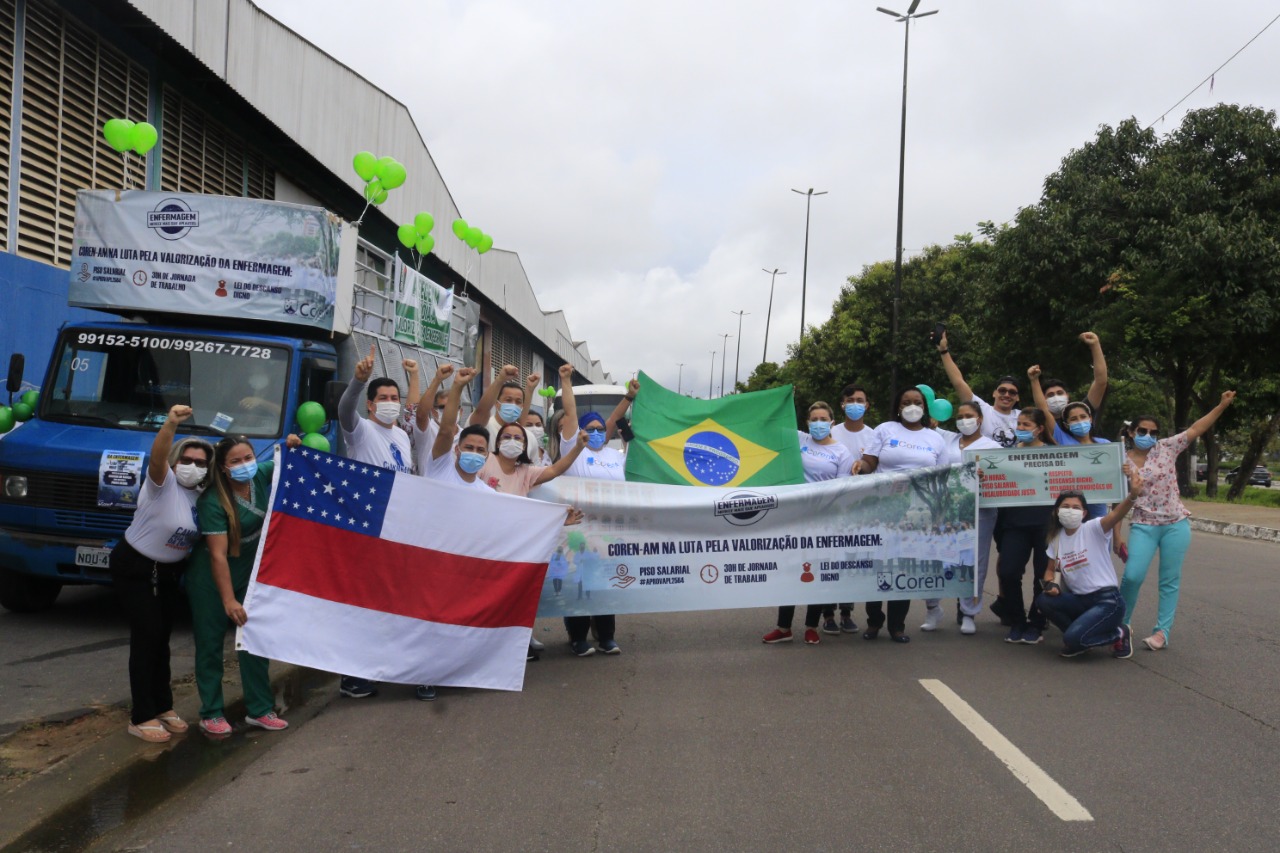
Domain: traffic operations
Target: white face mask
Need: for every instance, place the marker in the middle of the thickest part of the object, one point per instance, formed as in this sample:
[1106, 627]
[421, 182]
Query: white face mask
[967, 426]
[912, 414]
[189, 476]
[511, 447]
[1057, 403]
[387, 413]
[536, 434]
[1070, 517]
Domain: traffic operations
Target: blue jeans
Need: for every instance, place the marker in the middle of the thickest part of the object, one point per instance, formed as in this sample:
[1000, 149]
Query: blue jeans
[1088, 620]
[1172, 540]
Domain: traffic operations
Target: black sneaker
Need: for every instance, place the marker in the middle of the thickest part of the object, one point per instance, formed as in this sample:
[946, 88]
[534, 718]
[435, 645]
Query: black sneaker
[356, 688]
[1123, 648]
[425, 692]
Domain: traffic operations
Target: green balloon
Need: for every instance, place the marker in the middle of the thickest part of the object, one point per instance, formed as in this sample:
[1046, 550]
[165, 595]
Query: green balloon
[30, 397]
[7, 419]
[372, 189]
[940, 409]
[22, 411]
[473, 236]
[460, 228]
[316, 441]
[426, 244]
[928, 394]
[364, 163]
[393, 174]
[119, 133]
[143, 137]
[547, 392]
[311, 416]
[485, 244]
[576, 540]
[407, 235]
[380, 197]
[423, 223]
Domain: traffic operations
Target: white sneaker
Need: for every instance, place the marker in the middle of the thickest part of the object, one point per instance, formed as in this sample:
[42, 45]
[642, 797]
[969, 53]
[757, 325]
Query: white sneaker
[536, 645]
[967, 626]
[932, 617]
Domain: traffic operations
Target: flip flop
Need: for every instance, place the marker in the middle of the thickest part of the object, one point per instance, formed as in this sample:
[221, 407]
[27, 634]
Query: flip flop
[173, 723]
[151, 734]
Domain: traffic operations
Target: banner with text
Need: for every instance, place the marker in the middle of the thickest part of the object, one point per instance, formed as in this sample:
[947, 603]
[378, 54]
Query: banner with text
[219, 256]
[646, 548]
[1034, 476]
[424, 310]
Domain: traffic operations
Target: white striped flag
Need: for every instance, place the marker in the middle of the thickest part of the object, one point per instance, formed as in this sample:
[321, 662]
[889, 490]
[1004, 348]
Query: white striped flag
[394, 577]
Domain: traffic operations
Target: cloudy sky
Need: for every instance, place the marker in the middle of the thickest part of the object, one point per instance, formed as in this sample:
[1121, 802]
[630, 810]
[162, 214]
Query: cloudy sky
[640, 157]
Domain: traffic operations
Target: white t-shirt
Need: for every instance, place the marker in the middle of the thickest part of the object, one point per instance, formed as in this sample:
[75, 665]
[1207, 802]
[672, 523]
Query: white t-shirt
[164, 525]
[1002, 429]
[383, 447]
[855, 442]
[1084, 558]
[445, 469]
[902, 449]
[424, 441]
[607, 463]
[954, 454]
[824, 461]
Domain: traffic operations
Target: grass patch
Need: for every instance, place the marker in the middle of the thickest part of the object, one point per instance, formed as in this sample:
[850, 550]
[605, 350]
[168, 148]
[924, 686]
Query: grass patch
[1253, 496]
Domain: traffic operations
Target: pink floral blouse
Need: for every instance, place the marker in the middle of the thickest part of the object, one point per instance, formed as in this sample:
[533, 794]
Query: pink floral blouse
[1160, 502]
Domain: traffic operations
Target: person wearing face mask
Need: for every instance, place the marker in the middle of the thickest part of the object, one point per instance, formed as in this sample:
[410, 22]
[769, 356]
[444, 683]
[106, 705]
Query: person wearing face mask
[1022, 539]
[1159, 520]
[510, 470]
[1090, 610]
[426, 418]
[597, 462]
[377, 440]
[1055, 397]
[458, 463]
[901, 444]
[855, 433]
[231, 515]
[999, 418]
[511, 399]
[146, 566]
[1071, 423]
[533, 427]
[823, 458]
[968, 436]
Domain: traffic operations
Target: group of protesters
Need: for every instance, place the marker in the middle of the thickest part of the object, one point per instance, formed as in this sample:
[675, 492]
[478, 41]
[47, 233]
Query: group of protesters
[202, 509]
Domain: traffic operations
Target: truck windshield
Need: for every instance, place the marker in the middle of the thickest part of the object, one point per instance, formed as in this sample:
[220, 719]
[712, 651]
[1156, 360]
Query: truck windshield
[130, 381]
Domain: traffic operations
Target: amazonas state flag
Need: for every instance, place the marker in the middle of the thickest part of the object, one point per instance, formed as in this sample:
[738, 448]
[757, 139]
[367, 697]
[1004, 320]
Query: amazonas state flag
[393, 577]
[740, 440]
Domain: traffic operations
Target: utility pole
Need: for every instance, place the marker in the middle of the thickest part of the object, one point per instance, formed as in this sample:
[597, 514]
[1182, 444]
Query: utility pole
[773, 277]
[738, 358]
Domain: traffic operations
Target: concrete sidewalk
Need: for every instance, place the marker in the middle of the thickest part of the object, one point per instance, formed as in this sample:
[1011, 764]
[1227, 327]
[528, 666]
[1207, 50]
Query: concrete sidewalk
[1249, 522]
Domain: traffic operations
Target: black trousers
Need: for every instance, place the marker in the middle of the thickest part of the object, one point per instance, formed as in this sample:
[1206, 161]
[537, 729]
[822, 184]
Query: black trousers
[1019, 545]
[897, 615]
[579, 626]
[829, 610]
[787, 615]
[149, 597]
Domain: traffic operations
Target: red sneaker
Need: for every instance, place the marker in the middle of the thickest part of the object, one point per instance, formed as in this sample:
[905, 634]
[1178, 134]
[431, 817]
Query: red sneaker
[777, 635]
[268, 721]
[811, 637]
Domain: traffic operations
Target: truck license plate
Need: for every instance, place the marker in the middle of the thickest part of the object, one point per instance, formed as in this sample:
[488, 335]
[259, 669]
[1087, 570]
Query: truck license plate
[92, 558]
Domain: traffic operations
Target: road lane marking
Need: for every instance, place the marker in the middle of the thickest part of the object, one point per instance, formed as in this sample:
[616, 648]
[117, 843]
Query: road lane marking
[1023, 768]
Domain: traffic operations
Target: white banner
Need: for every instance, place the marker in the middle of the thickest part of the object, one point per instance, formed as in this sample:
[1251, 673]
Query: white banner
[182, 253]
[646, 548]
[424, 309]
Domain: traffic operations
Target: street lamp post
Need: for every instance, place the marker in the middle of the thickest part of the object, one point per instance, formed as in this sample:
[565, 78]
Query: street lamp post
[773, 277]
[804, 275]
[738, 358]
[902, 171]
[680, 379]
[711, 377]
[724, 348]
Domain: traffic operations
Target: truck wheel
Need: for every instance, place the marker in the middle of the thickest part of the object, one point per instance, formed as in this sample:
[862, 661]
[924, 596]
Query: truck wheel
[27, 594]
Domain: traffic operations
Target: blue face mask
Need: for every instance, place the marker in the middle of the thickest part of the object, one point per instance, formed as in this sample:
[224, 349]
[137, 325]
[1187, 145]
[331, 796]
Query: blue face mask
[508, 413]
[855, 411]
[819, 429]
[470, 462]
[1025, 435]
[1144, 442]
[1080, 428]
[243, 473]
[595, 438]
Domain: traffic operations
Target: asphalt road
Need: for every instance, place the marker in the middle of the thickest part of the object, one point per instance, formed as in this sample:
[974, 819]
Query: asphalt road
[700, 737]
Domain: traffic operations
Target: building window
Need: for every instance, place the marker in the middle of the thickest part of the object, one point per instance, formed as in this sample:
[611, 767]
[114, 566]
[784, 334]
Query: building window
[199, 154]
[7, 11]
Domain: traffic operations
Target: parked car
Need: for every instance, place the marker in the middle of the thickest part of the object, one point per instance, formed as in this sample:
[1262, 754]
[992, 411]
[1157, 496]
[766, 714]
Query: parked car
[1202, 471]
[1260, 476]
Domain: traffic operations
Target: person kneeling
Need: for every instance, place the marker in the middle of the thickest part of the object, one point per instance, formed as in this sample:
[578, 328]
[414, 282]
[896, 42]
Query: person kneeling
[1089, 610]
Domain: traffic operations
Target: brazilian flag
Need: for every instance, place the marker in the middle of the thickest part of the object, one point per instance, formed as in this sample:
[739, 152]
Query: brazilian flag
[742, 440]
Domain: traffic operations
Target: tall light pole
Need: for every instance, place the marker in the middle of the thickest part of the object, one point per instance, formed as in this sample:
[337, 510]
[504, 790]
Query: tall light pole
[680, 380]
[902, 171]
[804, 276]
[738, 358]
[773, 277]
[711, 377]
[724, 348]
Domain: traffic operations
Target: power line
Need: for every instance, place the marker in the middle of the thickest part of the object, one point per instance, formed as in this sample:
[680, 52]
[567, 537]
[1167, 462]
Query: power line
[1214, 72]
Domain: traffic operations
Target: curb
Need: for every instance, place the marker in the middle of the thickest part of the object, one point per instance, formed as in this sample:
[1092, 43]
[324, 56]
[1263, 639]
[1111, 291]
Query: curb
[1228, 528]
